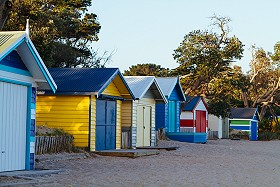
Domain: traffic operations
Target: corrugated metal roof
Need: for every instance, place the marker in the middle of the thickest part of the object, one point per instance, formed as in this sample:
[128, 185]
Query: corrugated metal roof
[82, 79]
[141, 84]
[8, 38]
[167, 84]
[191, 103]
[242, 113]
[86, 80]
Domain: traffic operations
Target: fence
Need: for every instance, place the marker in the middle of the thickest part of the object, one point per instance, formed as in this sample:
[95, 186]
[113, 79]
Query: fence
[53, 144]
[126, 140]
[213, 135]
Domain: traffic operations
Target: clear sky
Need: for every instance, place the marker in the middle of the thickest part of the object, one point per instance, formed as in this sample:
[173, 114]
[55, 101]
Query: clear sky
[148, 31]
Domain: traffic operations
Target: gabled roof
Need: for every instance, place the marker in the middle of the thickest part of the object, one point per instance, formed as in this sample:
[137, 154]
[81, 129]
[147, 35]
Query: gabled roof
[242, 113]
[192, 102]
[141, 84]
[167, 85]
[88, 81]
[20, 41]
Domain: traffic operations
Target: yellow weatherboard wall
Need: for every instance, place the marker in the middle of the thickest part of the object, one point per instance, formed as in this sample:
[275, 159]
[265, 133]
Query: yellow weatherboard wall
[112, 90]
[70, 113]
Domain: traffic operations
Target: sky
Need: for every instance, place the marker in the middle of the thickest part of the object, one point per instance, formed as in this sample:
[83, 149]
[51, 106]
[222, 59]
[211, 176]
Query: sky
[148, 31]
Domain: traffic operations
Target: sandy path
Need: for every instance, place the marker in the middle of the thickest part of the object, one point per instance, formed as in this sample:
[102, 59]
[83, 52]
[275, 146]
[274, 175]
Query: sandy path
[217, 163]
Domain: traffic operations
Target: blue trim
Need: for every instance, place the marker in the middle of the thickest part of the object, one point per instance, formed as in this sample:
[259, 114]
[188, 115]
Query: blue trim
[41, 67]
[15, 70]
[33, 106]
[28, 127]
[20, 42]
[240, 127]
[32, 139]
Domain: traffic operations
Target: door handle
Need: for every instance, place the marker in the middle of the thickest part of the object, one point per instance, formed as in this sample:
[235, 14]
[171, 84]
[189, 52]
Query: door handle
[3, 151]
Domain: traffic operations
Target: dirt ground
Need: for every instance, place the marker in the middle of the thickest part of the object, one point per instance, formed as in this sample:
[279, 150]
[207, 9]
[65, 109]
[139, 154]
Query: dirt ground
[217, 163]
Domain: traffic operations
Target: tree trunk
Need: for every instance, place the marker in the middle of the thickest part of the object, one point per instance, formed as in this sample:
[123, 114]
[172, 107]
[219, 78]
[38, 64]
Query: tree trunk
[245, 100]
[5, 8]
[264, 107]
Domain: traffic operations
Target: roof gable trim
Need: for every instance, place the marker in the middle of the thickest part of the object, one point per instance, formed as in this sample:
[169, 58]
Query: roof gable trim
[41, 66]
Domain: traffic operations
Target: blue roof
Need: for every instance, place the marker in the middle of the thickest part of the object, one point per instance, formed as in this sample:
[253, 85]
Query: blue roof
[191, 103]
[85, 80]
[243, 113]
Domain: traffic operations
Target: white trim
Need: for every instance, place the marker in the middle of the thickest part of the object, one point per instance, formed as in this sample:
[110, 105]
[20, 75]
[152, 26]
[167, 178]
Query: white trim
[17, 77]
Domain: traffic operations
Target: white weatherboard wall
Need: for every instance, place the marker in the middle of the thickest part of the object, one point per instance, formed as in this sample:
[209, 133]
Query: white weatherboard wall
[13, 117]
[149, 102]
[215, 124]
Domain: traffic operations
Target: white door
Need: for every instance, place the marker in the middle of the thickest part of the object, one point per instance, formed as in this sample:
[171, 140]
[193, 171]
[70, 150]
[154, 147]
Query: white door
[13, 113]
[143, 137]
[140, 126]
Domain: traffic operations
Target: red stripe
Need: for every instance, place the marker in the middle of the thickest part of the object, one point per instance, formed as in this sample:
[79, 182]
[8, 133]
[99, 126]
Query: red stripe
[186, 123]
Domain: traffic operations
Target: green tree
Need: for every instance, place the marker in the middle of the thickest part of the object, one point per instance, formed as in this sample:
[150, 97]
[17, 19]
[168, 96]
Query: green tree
[61, 30]
[147, 69]
[227, 91]
[205, 55]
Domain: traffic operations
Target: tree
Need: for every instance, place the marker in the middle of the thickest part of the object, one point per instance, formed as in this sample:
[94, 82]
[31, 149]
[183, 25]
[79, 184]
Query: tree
[147, 69]
[5, 8]
[205, 55]
[265, 80]
[61, 30]
[227, 91]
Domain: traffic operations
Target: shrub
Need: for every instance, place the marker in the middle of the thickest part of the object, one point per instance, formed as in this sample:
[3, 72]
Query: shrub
[266, 136]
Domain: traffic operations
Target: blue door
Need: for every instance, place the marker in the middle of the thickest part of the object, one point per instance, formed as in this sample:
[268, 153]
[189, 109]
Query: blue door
[171, 116]
[105, 125]
[254, 130]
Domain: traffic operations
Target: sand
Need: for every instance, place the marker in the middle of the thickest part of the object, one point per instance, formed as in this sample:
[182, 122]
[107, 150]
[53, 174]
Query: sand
[217, 163]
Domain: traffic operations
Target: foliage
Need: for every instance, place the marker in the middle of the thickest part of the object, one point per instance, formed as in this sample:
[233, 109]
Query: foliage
[205, 55]
[45, 131]
[267, 135]
[147, 70]
[265, 125]
[61, 30]
[205, 59]
[264, 77]
[5, 8]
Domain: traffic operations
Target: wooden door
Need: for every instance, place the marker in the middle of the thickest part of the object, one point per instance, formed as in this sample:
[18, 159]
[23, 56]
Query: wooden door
[13, 119]
[171, 116]
[140, 126]
[105, 124]
[143, 123]
[200, 121]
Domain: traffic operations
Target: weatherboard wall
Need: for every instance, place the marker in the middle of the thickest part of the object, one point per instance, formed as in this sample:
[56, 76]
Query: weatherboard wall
[247, 125]
[162, 112]
[70, 113]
